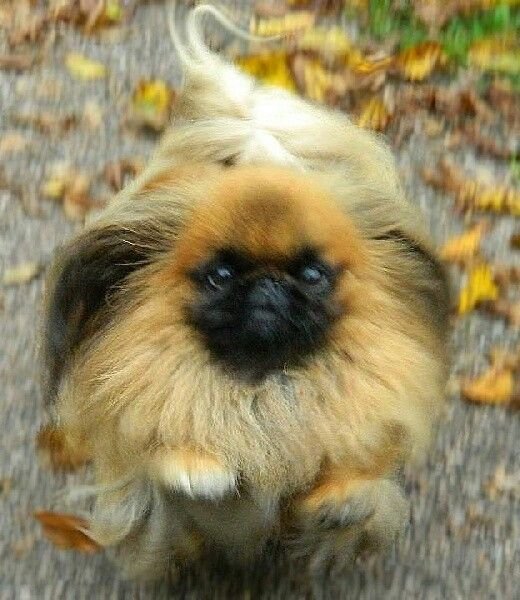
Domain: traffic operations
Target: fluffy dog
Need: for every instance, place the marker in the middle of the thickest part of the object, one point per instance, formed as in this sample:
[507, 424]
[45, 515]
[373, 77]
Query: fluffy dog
[250, 341]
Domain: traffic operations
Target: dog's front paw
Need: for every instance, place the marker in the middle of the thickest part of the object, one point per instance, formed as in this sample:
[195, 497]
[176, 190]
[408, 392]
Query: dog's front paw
[194, 473]
[339, 520]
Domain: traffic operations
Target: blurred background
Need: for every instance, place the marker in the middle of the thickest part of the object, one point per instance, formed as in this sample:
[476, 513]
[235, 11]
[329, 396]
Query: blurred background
[86, 88]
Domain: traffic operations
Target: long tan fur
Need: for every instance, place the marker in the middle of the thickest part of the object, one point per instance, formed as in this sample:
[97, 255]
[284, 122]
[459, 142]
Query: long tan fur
[173, 436]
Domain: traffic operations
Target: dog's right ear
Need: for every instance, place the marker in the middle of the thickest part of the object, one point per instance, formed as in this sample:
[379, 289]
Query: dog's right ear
[86, 274]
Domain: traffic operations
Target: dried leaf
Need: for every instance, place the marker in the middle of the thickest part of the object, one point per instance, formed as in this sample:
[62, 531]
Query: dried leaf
[6, 485]
[496, 54]
[23, 546]
[117, 173]
[271, 68]
[453, 104]
[495, 386]
[22, 273]
[92, 115]
[472, 132]
[325, 41]
[420, 61]
[12, 143]
[287, 24]
[515, 241]
[480, 287]
[502, 483]
[473, 194]
[507, 309]
[374, 115]
[436, 13]
[17, 62]
[316, 82]
[46, 122]
[83, 68]
[71, 187]
[67, 532]
[151, 104]
[463, 248]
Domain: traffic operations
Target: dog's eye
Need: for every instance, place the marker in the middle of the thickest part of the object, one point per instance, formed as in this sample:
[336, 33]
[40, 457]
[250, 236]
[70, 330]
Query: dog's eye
[219, 277]
[312, 275]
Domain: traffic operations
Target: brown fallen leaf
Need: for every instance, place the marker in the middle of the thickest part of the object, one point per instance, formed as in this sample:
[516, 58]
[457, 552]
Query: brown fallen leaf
[436, 13]
[6, 484]
[505, 100]
[502, 307]
[461, 249]
[502, 482]
[473, 194]
[480, 287]
[92, 15]
[266, 9]
[487, 144]
[46, 122]
[72, 188]
[23, 546]
[506, 275]
[514, 242]
[17, 62]
[502, 358]
[454, 104]
[496, 386]
[12, 143]
[67, 532]
[119, 172]
[22, 273]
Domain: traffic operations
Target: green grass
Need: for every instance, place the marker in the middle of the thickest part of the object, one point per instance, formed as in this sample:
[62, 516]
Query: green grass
[456, 37]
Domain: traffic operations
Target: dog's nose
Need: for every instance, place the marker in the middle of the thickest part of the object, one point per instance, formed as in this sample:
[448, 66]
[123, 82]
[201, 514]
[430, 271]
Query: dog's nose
[268, 292]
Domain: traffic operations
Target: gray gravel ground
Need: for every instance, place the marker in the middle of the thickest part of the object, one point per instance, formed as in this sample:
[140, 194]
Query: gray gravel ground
[459, 543]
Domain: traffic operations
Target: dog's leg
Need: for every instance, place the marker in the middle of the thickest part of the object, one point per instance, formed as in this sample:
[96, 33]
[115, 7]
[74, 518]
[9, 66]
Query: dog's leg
[60, 450]
[347, 513]
[194, 473]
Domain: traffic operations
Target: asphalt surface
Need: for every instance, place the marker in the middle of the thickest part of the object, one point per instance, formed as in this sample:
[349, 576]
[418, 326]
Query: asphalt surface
[459, 543]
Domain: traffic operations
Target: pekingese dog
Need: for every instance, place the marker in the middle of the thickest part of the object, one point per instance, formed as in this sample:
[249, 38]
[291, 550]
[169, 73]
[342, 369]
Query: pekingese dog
[250, 341]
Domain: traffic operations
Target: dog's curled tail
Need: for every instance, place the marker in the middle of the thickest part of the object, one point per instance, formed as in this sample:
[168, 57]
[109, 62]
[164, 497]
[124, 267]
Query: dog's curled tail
[213, 85]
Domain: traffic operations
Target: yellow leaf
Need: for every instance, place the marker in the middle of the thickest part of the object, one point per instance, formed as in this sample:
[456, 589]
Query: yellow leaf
[418, 62]
[272, 68]
[325, 41]
[495, 386]
[374, 115]
[22, 273]
[84, 68]
[497, 199]
[151, 103]
[496, 54]
[464, 247]
[480, 287]
[290, 23]
[113, 11]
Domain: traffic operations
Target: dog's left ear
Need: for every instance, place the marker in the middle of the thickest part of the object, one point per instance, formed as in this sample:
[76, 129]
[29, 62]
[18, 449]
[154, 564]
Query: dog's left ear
[86, 274]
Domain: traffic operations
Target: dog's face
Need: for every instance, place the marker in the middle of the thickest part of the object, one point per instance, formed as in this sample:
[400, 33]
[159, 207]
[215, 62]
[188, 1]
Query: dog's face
[258, 267]
[266, 257]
